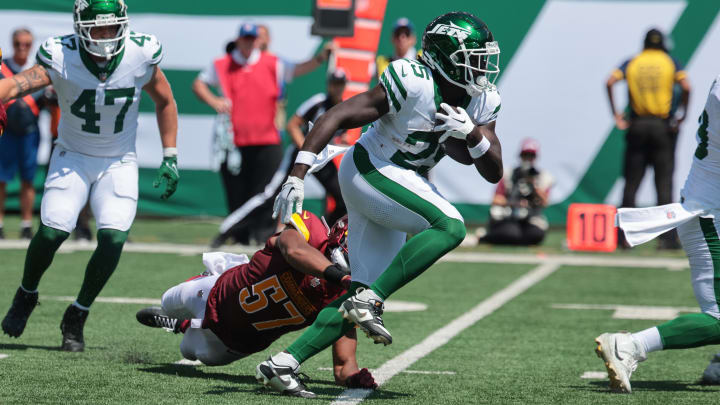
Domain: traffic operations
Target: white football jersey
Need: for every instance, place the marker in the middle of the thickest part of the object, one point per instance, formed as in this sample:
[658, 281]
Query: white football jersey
[703, 181]
[406, 135]
[99, 105]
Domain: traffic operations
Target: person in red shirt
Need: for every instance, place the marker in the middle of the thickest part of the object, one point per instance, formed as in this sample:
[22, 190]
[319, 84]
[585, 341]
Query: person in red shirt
[244, 309]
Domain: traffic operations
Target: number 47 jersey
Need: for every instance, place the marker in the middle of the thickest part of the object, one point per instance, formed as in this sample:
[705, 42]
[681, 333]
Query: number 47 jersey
[99, 101]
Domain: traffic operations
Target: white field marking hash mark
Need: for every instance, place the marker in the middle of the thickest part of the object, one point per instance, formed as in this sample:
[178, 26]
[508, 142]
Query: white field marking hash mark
[404, 371]
[594, 375]
[443, 335]
[633, 311]
[4, 356]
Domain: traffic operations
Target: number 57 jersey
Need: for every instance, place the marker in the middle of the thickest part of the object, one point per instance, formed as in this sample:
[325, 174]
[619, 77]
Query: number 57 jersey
[252, 305]
[99, 101]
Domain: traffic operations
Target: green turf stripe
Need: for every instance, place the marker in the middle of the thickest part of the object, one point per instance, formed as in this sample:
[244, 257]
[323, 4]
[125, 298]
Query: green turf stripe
[393, 190]
[713, 242]
[397, 81]
[389, 90]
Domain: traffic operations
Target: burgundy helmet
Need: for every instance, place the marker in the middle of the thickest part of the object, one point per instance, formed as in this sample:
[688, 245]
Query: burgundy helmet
[337, 249]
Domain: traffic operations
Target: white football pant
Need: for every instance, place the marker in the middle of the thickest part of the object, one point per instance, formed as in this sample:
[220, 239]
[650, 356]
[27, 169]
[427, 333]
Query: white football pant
[110, 182]
[699, 237]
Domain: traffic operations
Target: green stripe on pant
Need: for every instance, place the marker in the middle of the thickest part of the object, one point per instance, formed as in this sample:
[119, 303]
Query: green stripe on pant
[422, 250]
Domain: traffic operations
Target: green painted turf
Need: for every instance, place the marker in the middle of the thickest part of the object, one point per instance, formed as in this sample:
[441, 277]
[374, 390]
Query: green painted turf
[526, 352]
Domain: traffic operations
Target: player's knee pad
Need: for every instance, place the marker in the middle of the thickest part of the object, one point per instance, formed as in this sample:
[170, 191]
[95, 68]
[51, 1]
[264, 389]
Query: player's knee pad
[111, 240]
[453, 230]
[50, 235]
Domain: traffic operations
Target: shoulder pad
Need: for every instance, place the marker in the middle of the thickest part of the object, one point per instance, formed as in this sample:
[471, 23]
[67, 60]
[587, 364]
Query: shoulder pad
[49, 54]
[403, 79]
[148, 44]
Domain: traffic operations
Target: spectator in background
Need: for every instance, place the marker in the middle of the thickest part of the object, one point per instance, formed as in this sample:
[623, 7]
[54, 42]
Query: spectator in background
[19, 144]
[251, 81]
[652, 129]
[310, 111]
[403, 41]
[516, 213]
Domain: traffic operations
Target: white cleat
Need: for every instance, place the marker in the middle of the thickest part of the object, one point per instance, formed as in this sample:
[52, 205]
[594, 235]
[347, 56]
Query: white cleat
[282, 379]
[365, 309]
[621, 354]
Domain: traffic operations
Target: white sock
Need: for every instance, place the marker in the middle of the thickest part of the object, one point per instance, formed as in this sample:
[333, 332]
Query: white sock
[650, 338]
[25, 224]
[84, 308]
[285, 359]
[28, 291]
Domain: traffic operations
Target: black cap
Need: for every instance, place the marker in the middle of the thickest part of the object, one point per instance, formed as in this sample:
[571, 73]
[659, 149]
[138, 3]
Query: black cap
[337, 75]
[654, 39]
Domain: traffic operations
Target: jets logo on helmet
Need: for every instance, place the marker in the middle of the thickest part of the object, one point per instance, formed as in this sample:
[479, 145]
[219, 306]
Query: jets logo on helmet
[451, 30]
[89, 14]
[461, 48]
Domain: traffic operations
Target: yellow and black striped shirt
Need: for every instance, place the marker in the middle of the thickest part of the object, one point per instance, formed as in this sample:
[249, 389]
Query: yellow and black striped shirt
[650, 77]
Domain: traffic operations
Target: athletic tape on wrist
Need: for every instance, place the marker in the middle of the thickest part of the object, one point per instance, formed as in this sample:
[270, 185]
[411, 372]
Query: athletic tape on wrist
[305, 158]
[169, 152]
[480, 149]
[334, 274]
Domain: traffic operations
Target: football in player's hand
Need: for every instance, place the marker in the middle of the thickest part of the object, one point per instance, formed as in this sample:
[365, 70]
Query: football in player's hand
[3, 118]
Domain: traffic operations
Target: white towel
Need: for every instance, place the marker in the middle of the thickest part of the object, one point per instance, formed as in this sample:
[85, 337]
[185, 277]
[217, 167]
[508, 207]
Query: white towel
[218, 262]
[325, 156]
[645, 224]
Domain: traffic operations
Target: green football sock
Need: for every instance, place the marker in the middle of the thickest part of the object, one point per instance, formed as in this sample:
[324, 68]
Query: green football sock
[690, 330]
[40, 254]
[418, 254]
[328, 327]
[102, 264]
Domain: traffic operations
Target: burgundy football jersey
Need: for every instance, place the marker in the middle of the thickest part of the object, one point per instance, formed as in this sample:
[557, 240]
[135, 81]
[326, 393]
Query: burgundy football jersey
[252, 305]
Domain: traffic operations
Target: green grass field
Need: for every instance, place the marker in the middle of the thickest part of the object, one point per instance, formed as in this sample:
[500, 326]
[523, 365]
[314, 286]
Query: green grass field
[525, 352]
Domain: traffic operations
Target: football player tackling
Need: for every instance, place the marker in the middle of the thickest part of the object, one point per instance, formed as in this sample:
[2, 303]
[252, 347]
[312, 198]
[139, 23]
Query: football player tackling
[697, 220]
[98, 73]
[413, 126]
[239, 307]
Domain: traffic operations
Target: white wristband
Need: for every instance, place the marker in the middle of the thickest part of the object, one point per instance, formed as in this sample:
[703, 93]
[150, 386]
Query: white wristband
[305, 158]
[169, 152]
[480, 149]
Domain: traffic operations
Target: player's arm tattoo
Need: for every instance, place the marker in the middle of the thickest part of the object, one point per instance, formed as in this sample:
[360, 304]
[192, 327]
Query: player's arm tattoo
[31, 80]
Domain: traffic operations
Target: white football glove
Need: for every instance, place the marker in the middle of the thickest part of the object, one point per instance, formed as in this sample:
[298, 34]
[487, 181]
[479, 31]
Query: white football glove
[291, 196]
[456, 124]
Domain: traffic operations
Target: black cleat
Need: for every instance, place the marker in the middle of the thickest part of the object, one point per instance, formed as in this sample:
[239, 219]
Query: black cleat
[19, 312]
[2, 233]
[365, 309]
[156, 317]
[72, 329]
[26, 233]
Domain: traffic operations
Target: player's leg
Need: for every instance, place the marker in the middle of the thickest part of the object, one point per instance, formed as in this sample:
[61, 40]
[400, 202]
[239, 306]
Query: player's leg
[204, 345]
[66, 190]
[635, 161]
[407, 202]
[622, 351]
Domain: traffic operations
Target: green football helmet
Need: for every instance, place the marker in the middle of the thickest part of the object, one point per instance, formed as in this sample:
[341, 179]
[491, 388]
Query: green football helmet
[88, 14]
[461, 48]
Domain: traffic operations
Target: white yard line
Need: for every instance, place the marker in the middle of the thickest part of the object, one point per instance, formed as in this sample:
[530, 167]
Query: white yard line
[594, 375]
[430, 372]
[443, 335]
[571, 259]
[111, 300]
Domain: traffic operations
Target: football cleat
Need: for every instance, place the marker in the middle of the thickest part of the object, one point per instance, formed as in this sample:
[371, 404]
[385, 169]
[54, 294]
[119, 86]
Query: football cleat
[72, 326]
[365, 309]
[19, 312]
[26, 233]
[711, 375]
[282, 379]
[156, 317]
[621, 354]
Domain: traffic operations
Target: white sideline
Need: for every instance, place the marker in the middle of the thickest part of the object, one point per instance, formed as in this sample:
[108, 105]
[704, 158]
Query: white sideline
[443, 335]
[571, 259]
